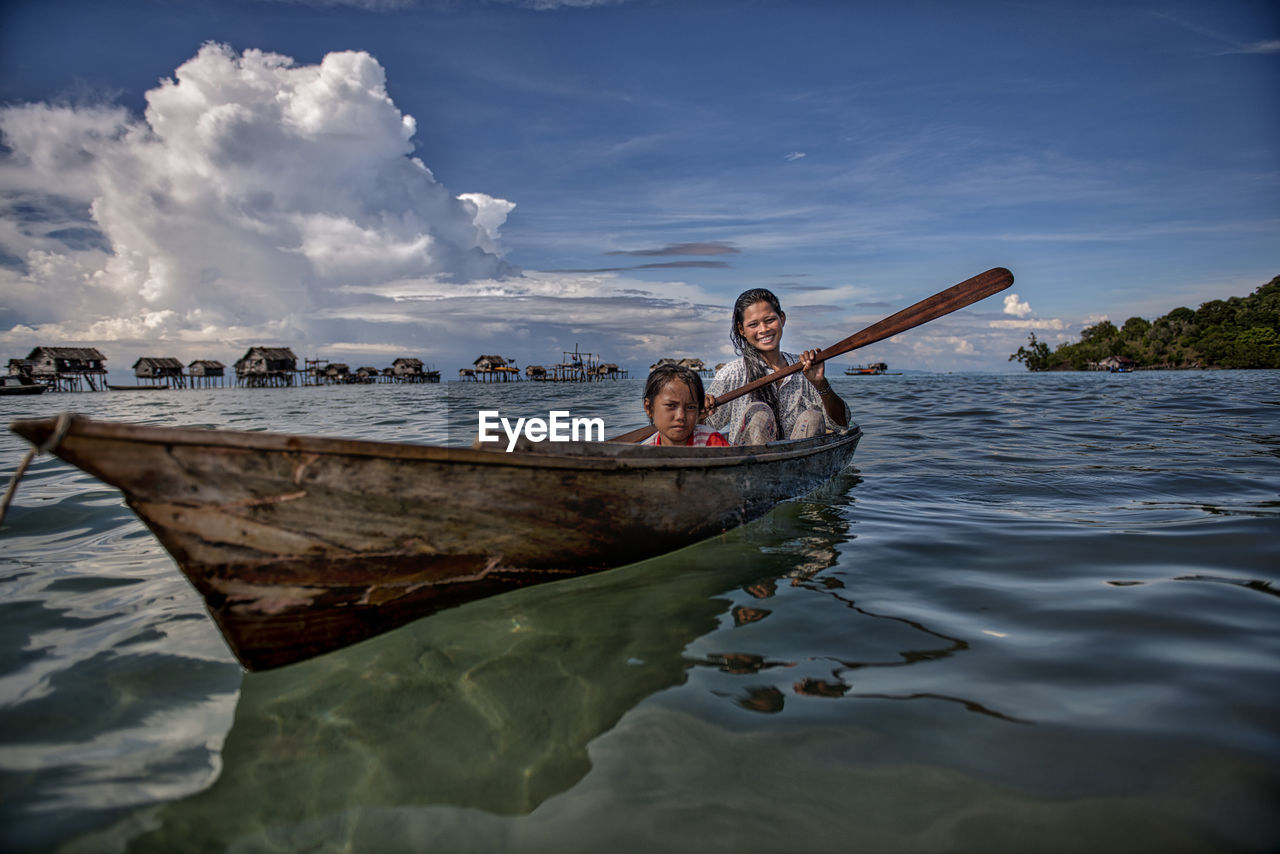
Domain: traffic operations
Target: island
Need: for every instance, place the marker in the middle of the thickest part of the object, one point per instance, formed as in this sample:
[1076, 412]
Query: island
[1239, 332]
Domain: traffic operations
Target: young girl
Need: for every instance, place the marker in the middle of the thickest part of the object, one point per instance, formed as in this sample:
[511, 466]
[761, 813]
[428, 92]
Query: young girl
[673, 400]
[802, 404]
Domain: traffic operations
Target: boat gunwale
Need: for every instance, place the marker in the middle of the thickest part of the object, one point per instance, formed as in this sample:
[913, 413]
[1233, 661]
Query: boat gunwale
[575, 455]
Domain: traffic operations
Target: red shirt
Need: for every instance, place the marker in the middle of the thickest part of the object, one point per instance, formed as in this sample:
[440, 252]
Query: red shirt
[702, 435]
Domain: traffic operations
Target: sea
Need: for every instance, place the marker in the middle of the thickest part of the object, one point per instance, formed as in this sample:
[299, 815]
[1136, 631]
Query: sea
[1037, 612]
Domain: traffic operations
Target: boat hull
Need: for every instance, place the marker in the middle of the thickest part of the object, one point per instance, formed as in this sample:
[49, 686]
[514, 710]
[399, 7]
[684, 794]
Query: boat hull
[301, 545]
[23, 389]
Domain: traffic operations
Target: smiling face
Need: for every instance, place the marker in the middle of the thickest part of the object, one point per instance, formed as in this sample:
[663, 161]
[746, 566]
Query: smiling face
[762, 326]
[674, 412]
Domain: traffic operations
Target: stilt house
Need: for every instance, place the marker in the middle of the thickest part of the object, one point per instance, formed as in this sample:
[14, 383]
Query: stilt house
[155, 369]
[267, 366]
[66, 367]
[408, 370]
[495, 368]
[695, 365]
[206, 372]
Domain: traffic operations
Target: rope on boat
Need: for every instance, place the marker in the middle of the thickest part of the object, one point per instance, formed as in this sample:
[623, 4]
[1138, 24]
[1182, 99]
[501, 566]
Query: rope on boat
[55, 438]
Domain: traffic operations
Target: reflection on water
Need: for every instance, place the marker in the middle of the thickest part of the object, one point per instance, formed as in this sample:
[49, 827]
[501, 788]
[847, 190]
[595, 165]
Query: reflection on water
[821, 527]
[1039, 614]
[493, 706]
[490, 706]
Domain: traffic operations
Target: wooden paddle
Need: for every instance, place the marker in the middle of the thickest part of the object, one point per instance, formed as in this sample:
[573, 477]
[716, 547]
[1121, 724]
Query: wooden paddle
[952, 299]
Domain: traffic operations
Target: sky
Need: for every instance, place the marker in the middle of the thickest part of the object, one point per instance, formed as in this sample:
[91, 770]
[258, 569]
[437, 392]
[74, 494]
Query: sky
[362, 180]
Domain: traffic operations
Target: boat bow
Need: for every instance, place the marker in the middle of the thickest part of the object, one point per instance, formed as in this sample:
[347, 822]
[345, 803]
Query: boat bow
[303, 544]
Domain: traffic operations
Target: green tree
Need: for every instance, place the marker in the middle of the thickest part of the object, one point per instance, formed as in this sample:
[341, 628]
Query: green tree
[1135, 329]
[1258, 347]
[1035, 356]
[1102, 331]
[1213, 313]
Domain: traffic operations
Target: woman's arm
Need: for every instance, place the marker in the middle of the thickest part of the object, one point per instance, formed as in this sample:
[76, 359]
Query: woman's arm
[815, 373]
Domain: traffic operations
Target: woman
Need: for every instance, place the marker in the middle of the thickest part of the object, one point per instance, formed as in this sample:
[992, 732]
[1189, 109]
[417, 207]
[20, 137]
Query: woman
[802, 404]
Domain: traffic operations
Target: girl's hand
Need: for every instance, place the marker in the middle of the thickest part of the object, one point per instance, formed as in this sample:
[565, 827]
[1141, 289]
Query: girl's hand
[815, 372]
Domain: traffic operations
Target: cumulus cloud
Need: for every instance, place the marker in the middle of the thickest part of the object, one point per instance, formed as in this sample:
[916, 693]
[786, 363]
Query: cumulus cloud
[1013, 305]
[488, 214]
[253, 190]
[258, 201]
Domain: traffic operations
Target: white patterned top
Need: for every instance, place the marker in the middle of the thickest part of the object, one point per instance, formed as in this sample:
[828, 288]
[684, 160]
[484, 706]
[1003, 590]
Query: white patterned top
[795, 395]
[702, 436]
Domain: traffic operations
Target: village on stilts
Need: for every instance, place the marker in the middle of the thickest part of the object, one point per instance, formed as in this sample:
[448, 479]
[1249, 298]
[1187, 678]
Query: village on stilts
[85, 369]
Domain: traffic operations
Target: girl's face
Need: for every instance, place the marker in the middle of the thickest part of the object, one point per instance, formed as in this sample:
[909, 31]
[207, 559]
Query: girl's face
[674, 412]
[762, 326]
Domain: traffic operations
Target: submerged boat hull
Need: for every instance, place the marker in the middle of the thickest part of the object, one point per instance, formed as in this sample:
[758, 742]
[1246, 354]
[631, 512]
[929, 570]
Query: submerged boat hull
[301, 545]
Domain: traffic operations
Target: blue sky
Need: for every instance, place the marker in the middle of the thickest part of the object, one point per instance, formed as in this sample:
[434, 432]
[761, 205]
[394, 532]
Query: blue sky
[443, 179]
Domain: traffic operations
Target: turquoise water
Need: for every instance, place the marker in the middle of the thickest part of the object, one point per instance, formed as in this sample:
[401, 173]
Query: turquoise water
[1038, 612]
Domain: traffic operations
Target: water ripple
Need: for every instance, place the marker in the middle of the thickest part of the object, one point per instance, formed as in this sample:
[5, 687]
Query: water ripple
[1038, 607]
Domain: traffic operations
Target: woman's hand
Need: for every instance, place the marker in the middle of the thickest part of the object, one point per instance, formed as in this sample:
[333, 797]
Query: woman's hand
[835, 408]
[708, 405]
[814, 371]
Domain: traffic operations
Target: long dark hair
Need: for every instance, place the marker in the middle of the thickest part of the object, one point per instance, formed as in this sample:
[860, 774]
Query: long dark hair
[756, 365]
[663, 374]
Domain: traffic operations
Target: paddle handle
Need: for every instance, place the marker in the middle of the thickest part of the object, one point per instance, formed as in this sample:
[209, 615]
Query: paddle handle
[940, 304]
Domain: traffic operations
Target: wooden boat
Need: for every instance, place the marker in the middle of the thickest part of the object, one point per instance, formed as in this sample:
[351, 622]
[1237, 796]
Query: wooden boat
[871, 370]
[19, 385]
[300, 545]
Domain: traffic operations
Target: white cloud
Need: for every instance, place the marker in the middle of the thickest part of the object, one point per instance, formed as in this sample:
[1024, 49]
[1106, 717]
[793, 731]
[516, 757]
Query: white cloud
[795, 155]
[1013, 305]
[488, 214]
[1034, 323]
[1272, 46]
[253, 189]
[262, 202]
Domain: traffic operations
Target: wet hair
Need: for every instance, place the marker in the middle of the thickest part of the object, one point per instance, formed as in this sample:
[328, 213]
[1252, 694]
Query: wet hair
[756, 365]
[663, 374]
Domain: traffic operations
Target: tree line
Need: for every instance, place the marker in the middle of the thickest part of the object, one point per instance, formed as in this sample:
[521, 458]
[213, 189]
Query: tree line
[1239, 332]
